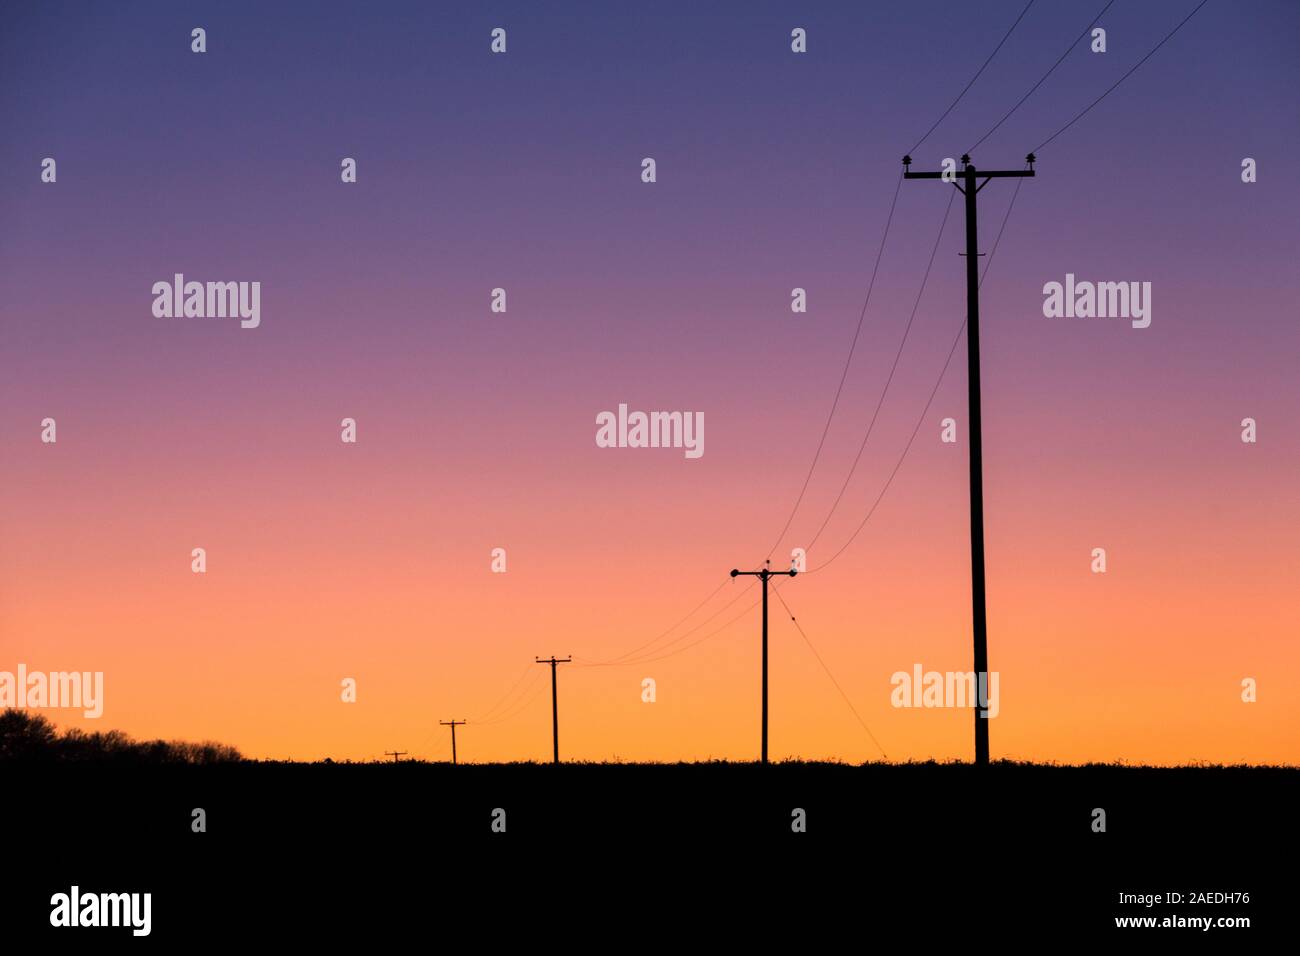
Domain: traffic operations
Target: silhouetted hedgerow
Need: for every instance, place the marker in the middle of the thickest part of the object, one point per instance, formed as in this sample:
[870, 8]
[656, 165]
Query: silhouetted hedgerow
[32, 738]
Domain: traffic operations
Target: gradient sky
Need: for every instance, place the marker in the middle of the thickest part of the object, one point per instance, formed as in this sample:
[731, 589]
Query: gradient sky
[476, 430]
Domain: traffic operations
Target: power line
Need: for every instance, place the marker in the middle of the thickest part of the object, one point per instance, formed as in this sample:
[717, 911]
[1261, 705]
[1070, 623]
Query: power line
[488, 720]
[880, 402]
[425, 742]
[657, 654]
[1122, 78]
[686, 634]
[934, 391]
[973, 78]
[617, 661]
[635, 650]
[695, 643]
[1079, 116]
[897, 465]
[843, 375]
[686, 647]
[871, 285]
[1041, 79]
[809, 642]
[517, 708]
[491, 710]
[520, 708]
[839, 390]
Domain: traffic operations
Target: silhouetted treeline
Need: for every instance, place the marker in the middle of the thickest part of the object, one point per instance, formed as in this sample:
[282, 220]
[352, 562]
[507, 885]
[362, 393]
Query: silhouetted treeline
[32, 737]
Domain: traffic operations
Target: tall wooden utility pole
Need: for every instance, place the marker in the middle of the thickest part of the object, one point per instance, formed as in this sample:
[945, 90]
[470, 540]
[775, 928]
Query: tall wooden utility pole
[453, 724]
[555, 708]
[968, 176]
[764, 575]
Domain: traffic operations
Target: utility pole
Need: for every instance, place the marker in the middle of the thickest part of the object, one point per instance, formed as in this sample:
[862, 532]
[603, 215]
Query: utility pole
[555, 709]
[968, 176]
[394, 754]
[453, 724]
[764, 575]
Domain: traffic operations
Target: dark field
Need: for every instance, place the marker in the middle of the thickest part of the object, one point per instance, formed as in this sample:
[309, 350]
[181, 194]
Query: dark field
[300, 844]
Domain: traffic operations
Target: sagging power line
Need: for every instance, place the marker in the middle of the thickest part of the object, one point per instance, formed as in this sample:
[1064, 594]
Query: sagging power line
[879, 254]
[807, 640]
[920, 419]
[884, 239]
[662, 652]
[530, 691]
[1042, 79]
[1082, 113]
[889, 380]
[966, 88]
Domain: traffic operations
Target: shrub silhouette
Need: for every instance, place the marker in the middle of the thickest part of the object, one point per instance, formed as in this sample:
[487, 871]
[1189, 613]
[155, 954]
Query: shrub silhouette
[33, 738]
[25, 736]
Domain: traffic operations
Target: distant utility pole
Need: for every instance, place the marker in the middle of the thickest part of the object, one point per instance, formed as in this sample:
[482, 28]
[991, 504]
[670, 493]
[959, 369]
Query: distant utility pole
[555, 709]
[968, 176]
[764, 575]
[394, 754]
[453, 724]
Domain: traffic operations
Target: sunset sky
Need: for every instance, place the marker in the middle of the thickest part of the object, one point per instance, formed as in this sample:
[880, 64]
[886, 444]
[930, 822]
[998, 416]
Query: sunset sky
[476, 430]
